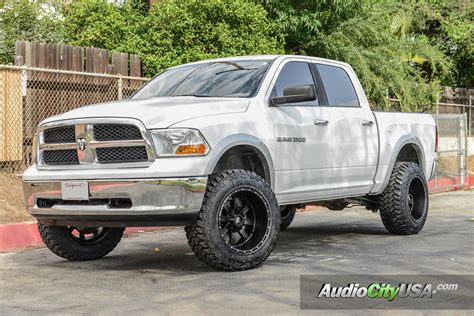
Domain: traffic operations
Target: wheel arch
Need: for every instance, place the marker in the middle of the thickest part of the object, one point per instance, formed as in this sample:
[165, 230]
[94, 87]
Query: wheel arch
[411, 152]
[408, 148]
[233, 144]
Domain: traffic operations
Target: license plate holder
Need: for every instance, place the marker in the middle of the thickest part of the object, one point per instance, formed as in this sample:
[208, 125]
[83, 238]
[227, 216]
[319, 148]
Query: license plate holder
[75, 190]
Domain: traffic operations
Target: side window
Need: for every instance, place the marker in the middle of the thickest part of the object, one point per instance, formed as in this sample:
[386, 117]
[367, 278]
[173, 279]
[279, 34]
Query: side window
[338, 86]
[294, 73]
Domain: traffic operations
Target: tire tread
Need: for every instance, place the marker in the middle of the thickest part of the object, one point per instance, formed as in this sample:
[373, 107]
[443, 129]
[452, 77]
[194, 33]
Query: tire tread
[391, 201]
[197, 234]
[51, 236]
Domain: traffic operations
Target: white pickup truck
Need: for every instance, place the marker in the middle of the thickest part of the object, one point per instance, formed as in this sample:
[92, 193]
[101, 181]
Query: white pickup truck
[228, 148]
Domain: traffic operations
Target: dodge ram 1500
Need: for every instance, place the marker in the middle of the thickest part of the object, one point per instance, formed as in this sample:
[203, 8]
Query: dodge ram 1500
[228, 148]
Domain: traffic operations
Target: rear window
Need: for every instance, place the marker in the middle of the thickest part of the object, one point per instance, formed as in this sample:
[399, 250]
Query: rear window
[338, 86]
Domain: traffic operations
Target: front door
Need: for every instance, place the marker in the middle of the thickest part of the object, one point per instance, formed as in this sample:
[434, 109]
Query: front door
[303, 139]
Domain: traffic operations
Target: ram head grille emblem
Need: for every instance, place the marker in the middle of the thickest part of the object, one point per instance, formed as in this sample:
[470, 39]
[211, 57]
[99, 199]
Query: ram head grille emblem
[81, 144]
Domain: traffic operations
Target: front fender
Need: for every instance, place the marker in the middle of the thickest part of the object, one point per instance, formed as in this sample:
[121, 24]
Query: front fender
[242, 139]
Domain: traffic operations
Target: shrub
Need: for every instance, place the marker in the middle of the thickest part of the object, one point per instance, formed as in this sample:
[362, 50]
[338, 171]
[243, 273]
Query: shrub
[99, 23]
[176, 32]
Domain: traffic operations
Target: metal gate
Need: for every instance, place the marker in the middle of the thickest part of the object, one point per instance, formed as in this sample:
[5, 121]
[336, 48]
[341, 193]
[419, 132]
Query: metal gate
[451, 168]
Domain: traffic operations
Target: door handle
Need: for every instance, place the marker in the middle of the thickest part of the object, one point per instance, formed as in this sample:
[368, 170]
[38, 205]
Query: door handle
[319, 122]
[367, 123]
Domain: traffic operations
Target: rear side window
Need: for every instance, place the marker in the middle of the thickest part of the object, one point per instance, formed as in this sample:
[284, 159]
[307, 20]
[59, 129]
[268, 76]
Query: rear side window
[338, 86]
[294, 73]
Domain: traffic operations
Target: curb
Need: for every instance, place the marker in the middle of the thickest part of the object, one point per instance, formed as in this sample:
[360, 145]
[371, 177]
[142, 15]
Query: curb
[17, 236]
[450, 184]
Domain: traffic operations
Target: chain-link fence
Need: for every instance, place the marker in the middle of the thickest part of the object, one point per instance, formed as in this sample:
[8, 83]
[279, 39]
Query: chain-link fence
[29, 95]
[452, 159]
[456, 108]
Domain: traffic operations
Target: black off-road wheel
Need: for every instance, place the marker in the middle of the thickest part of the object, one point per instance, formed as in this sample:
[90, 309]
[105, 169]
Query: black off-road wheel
[80, 244]
[238, 224]
[287, 214]
[404, 202]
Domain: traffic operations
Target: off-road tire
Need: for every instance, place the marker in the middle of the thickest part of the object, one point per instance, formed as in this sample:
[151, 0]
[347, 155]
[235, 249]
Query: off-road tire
[61, 243]
[204, 236]
[397, 216]
[287, 215]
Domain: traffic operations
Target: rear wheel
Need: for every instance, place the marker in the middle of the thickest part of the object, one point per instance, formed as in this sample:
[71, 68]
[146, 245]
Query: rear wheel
[404, 202]
[287, 214]
[80, 243]
[238, 224]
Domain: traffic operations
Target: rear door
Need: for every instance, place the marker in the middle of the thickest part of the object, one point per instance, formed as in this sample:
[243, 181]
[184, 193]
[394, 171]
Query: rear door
[303, 140]
[353, 130]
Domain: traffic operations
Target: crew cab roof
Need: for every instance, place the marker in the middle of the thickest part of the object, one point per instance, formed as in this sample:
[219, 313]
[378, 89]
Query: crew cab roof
[265, 57]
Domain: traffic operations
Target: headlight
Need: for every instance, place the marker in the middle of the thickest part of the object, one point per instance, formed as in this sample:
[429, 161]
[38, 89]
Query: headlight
[179, 142]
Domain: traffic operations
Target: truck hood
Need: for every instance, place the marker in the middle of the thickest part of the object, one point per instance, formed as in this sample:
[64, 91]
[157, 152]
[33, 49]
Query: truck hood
[157, 112]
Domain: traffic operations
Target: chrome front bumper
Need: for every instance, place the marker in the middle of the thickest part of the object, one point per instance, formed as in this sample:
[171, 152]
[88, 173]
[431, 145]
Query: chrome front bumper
[149, 202]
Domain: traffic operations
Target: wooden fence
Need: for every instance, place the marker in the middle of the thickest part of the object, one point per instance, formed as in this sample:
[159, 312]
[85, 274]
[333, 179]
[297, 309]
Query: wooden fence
[73, 58]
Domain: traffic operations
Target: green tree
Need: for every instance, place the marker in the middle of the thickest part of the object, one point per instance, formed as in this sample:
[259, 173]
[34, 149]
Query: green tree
[302, 21]
[175, 32]
[405, 47]
[99, 23]
[377, 39]
[25, 20]
[449, 25]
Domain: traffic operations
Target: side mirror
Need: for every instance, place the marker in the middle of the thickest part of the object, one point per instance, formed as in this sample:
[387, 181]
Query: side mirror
[294, 94]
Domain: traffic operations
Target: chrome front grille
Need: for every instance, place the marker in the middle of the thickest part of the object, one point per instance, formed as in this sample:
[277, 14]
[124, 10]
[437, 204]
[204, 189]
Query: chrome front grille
[60, 157]
[60, 135]
[120, 154]
[86, 143]
[105, 132]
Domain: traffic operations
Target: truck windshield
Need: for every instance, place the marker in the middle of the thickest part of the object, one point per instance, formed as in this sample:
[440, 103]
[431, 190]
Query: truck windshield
[234, 79]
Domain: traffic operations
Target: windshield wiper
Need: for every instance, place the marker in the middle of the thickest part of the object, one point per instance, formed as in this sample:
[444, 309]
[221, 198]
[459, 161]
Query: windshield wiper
[193, 95]
[232, 70]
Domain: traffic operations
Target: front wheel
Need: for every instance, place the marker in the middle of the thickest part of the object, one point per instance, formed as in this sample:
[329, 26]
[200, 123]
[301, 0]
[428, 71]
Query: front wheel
[238, 224]
[404, 202]
[80, 243]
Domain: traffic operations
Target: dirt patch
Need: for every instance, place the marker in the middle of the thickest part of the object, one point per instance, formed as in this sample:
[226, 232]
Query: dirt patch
[451, 164]
[12, 207]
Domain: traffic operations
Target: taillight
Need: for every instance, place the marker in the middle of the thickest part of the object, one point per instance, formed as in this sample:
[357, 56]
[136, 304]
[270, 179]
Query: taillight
[436, 140]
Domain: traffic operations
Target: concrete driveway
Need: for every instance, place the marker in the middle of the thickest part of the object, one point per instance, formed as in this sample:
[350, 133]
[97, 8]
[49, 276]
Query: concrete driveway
[136, 279]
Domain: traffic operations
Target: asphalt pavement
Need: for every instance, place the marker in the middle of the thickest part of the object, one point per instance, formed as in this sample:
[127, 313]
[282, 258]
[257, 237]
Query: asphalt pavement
[137, 278]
